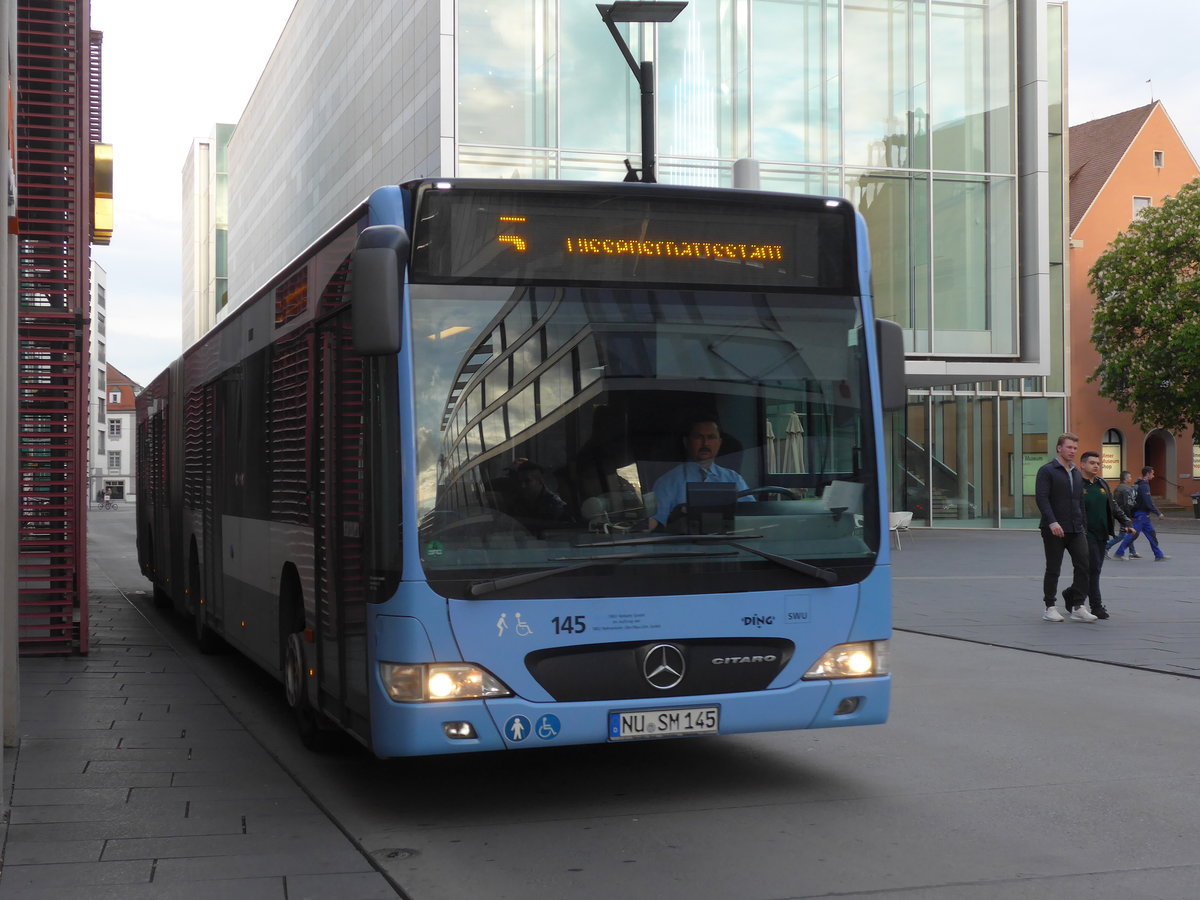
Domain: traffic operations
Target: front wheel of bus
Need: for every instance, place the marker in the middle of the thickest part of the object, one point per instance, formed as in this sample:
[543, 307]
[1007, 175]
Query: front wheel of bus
[308, 720]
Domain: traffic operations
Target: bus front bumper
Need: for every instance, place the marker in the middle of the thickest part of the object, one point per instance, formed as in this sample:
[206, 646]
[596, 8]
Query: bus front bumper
[418, 729]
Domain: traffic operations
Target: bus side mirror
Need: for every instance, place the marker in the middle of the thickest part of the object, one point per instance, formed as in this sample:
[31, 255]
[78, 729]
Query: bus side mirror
[379, 260]
[889, 340]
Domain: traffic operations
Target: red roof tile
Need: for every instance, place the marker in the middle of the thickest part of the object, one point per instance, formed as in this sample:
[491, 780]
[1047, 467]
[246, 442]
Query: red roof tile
[1097, 147]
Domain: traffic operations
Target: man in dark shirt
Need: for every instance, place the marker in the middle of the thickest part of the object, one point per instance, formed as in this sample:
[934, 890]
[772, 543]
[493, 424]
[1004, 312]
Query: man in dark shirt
[1141, 518]
[1099, 510]
[1059, 489]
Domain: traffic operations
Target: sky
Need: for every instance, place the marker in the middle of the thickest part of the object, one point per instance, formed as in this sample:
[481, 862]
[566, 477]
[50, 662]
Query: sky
[165, 83]
[161, 93]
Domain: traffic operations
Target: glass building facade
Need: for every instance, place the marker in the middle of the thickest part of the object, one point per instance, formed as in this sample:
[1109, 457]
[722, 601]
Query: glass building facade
[907, 108]
[942, 121]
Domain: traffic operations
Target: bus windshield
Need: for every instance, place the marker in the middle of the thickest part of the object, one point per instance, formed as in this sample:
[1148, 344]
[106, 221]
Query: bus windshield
[549, 420]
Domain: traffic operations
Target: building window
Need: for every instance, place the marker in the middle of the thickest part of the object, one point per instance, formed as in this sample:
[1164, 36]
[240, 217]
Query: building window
[1140, 203]
[1158, 159]
[114, 396]
[114, 460]
[100, 442]
[114, 428]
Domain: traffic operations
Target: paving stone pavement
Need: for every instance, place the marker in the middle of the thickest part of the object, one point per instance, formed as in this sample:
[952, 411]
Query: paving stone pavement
[133, 781]
[986, 586]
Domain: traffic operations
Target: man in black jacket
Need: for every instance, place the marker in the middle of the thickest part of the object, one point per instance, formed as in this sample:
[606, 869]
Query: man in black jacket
[1059, 488]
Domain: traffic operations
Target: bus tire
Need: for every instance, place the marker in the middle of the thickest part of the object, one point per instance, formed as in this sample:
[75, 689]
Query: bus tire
[207, 640]
[161, 598]
[310, 724]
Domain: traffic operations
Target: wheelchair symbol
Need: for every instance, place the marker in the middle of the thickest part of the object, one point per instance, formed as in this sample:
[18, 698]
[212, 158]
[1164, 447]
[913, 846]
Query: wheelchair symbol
[548, 727]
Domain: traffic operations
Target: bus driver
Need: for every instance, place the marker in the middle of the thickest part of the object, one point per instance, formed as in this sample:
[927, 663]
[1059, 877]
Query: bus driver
[702, 444]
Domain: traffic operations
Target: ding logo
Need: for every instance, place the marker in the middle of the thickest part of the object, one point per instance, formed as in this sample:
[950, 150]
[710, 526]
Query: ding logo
[664, 666]
[758, 621]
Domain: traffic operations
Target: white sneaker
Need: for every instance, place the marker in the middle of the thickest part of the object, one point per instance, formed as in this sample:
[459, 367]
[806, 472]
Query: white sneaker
[1052, 615]
[1082, 614]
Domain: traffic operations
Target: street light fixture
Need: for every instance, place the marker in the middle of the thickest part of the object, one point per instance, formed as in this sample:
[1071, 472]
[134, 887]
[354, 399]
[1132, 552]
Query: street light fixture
[644, 11]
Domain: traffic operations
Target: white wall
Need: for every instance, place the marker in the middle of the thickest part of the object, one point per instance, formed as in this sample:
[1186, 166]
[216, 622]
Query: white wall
[365, 108]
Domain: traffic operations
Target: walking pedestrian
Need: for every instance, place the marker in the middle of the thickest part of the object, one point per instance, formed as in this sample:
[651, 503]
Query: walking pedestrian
[1099, 511]
[1125, 496]
[1059, 490]
[1141, 518]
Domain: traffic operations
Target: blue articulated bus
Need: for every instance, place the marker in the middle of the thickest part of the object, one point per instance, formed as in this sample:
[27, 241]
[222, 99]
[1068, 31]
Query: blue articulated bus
[513, 464]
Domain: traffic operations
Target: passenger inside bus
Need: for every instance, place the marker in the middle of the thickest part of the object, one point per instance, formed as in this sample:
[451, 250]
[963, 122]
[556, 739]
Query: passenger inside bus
[533, 503]
[601, 474]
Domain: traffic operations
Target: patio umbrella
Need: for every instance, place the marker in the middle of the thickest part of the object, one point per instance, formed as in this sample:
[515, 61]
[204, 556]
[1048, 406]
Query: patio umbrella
[793, 446]
[772, 454]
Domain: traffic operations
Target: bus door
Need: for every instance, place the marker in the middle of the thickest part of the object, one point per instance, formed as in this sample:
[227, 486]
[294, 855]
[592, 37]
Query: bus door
[224, 539]
[338, 526]
[199, 493]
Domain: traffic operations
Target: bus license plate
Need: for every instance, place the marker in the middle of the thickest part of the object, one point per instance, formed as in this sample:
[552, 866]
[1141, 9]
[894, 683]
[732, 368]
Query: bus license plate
[659, 723]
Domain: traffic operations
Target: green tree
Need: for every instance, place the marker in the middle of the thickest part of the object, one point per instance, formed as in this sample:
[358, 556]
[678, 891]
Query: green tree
[1146, 325]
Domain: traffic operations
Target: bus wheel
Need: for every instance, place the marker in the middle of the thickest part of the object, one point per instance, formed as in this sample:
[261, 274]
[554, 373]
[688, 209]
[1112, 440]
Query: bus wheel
[162, 600]
[309, 722]
[206, 639]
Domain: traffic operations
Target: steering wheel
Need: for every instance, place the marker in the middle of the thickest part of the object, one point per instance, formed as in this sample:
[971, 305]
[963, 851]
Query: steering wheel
[788, 493]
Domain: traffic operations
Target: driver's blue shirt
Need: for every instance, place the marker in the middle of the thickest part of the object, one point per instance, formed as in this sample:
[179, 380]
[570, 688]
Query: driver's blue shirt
[670, 490]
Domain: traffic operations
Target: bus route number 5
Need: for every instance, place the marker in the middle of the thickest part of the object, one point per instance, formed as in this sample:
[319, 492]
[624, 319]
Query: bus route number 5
[569, 624]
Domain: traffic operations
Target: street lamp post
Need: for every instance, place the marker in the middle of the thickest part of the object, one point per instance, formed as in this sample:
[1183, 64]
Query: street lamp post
[654, 11]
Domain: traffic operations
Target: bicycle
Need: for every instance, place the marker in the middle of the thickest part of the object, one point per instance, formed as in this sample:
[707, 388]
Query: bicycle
[109, 504]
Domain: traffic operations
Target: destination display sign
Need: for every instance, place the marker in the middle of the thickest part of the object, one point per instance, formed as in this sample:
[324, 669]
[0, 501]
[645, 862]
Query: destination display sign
[620, 234]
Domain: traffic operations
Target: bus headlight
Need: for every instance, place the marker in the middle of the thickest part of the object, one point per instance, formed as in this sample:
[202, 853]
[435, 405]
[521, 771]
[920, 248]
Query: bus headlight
[428, 682]
[855, 660]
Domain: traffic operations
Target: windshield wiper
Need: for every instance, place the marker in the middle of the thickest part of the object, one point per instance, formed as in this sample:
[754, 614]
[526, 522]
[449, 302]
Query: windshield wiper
[826, 575]
[479, 588]
[674, 539]
[796, 565]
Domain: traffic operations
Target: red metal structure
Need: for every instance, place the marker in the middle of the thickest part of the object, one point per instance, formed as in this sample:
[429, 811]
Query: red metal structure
[54, 132]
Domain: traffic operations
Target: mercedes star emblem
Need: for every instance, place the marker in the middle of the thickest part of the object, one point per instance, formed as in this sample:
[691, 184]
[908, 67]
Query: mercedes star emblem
[664, 666]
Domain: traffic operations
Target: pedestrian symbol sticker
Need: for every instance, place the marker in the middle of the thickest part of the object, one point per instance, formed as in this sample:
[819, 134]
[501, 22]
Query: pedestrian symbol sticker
[548, 727]
[517, 728]
[520, 626]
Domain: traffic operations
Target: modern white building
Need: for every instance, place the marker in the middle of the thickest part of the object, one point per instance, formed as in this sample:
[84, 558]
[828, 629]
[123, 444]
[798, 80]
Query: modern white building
[205, 233]
[97, 427]
[943, 122]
